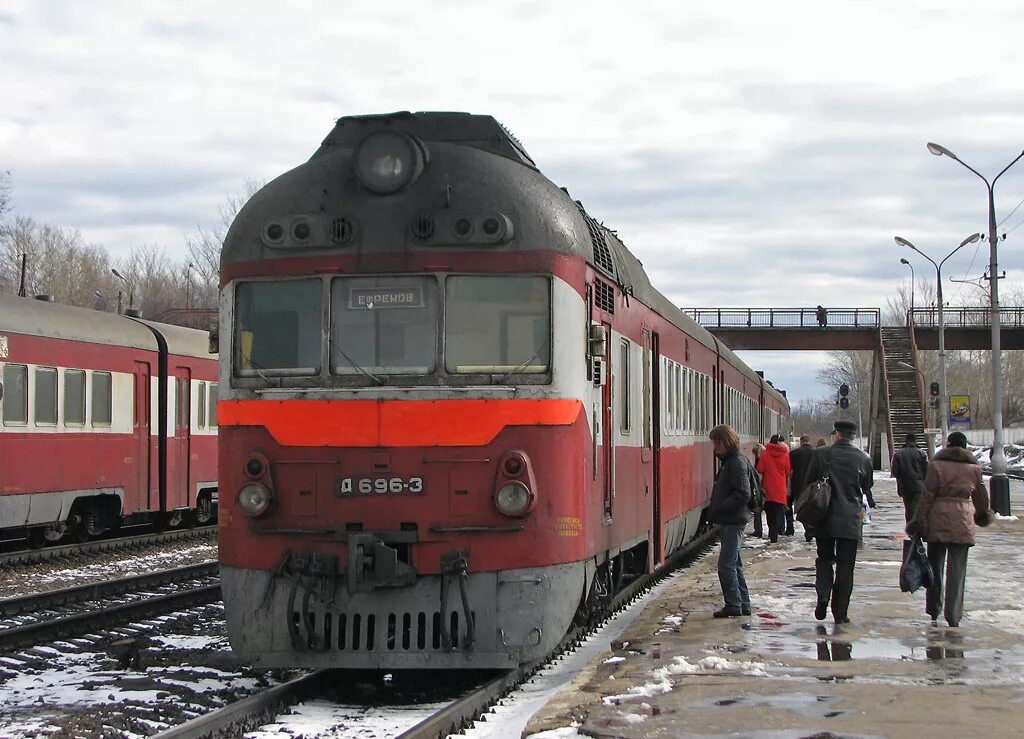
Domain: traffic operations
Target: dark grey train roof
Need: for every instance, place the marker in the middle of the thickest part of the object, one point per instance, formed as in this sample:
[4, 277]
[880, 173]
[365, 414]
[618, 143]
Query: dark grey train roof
[473, 164]
[42, 318]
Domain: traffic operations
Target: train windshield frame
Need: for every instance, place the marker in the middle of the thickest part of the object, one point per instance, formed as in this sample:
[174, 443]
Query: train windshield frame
[384, 324]
[278, 328]
[411, 329]
[497, 324]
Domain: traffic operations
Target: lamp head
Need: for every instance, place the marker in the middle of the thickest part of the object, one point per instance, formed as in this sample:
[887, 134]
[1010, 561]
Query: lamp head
[970, 239]
[900, 241]
[940, 150]
[903, 260]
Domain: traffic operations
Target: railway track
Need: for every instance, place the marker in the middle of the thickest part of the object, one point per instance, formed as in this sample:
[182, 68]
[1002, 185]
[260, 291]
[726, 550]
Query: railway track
[67, 551]
[60, 614]
[260, 708]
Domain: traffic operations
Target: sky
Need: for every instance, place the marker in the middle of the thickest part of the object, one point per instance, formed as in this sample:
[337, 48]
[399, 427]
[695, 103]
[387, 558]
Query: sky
[749, 153]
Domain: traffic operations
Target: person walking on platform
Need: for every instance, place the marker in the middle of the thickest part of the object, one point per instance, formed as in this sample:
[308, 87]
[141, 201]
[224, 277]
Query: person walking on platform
[757, 451]
[728, 508]
[773, 465]
[909, 465]
[849, 471]
[799, 461]
[952, 487]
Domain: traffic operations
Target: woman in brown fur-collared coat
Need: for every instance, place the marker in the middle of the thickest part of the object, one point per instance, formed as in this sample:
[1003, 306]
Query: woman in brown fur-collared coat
[953, 500]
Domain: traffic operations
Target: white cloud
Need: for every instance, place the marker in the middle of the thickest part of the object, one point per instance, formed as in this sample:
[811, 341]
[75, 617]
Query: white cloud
[749, 153]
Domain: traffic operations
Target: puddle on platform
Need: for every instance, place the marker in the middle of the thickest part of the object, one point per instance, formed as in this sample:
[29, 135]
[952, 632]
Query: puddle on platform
[804, 705]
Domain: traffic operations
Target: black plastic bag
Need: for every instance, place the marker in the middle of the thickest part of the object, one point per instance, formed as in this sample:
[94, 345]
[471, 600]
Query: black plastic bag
[812, 505]
[916, 570]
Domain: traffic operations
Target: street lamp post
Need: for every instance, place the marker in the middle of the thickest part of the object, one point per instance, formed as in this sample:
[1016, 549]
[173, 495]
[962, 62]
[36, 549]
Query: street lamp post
[943, 412]
[1000, 484]
[907, 262]
[131, 290]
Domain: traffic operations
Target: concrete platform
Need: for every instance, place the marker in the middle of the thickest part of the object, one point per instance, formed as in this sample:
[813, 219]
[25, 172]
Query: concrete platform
[677, 672]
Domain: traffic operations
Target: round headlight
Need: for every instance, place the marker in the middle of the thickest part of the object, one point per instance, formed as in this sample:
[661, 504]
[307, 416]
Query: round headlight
[387, 161]
[513, 499]
[254, 499]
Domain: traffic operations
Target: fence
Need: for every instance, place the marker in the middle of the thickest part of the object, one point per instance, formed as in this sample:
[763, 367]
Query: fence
[1009, 317]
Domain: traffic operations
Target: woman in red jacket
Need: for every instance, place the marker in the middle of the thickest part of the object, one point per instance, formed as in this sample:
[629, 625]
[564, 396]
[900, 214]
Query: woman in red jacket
[775, 471]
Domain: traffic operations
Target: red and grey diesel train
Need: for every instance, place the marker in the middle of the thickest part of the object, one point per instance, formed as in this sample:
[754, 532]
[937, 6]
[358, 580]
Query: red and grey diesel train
[105, 420]
[455, 415]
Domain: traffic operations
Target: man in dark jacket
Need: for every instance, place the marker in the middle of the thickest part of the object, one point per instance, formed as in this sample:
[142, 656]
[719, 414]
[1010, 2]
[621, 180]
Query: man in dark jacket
[909, 465]
[800, 461]
[729, 509]
[849, 470]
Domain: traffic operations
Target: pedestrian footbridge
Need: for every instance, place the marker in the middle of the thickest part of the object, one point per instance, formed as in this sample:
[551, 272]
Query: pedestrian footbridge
[897, 382]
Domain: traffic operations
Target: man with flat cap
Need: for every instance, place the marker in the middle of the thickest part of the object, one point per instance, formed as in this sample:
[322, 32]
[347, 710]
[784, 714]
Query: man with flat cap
[849, 470]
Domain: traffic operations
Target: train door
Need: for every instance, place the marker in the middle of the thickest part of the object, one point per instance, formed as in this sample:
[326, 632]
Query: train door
[180, 494]
[607, 434]
[652, 430]
[141, 433]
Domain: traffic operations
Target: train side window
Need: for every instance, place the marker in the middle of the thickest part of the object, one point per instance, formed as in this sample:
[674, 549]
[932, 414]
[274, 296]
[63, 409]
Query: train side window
[46, 396]
[211, 415]
[201, 406]
[669, 403]
[623, 389]
[74, 397]
[15, 402]
[101, 398]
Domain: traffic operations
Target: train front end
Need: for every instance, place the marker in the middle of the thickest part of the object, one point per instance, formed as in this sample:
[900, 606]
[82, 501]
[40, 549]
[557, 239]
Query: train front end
[403, 447]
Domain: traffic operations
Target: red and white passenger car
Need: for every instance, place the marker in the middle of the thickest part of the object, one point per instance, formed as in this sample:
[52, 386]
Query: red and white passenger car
[105, 420]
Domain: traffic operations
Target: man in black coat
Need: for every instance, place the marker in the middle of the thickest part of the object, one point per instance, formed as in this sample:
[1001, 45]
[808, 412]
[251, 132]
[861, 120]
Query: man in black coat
[729, 509]
[800, 461]
[849, 470]
[909, 465]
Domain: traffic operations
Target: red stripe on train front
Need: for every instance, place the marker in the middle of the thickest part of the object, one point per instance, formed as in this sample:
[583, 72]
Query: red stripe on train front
[395, 423]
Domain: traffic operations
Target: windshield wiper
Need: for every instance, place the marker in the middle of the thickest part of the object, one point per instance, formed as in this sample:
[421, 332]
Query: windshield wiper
[525, 364]
[375, 378]
[258, 368]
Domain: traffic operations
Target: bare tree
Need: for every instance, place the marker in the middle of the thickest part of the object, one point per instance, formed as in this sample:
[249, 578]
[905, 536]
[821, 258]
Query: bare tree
[851, 368]
[205, 245]
[58, 263]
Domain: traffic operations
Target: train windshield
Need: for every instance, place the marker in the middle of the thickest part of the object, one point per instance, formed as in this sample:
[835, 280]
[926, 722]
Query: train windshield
[278, 328]
[384, 325]
[497, 325]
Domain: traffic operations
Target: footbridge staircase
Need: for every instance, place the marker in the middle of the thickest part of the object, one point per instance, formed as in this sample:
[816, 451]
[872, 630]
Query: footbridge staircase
[901, 388]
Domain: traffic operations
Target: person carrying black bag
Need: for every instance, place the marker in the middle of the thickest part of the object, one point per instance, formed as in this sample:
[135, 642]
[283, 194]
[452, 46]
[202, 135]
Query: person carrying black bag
[851, 476]
[953, 491]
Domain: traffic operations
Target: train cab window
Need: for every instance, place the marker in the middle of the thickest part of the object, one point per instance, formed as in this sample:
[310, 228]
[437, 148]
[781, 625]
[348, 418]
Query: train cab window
[184, 406]
[278, 328]
[211, 415]
[497, 325]
[384, 325]
[74, 398]
[15, 400]
[623, 389]
[201, 406]
[101, 399]
[46, 396]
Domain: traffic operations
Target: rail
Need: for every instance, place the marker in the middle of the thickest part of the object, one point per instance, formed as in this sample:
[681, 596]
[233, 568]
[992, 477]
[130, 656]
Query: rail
[966, 317]
[785, 317]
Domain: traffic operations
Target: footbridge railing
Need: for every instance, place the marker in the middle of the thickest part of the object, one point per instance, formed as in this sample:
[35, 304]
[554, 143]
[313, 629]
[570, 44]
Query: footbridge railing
[785, 317]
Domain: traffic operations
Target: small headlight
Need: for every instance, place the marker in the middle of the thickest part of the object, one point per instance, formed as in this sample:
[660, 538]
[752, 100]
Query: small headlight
[387, 161]
[254, 499]
[513, 499]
